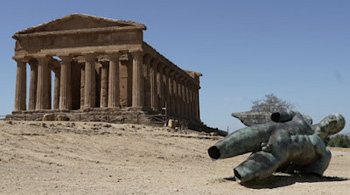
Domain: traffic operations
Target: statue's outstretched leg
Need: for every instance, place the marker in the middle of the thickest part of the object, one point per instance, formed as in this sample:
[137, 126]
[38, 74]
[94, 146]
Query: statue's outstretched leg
[258, 165]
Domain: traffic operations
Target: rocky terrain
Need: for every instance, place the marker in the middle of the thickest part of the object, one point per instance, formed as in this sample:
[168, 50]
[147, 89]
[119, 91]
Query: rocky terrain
[102, 158]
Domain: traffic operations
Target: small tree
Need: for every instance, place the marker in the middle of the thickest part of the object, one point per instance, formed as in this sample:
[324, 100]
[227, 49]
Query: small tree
[271, 103]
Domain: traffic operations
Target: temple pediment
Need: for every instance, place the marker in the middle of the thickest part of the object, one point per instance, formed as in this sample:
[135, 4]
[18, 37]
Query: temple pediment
[81, 22]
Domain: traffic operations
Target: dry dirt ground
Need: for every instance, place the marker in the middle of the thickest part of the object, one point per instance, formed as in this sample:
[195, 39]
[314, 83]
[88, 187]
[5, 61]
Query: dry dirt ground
[101, 158]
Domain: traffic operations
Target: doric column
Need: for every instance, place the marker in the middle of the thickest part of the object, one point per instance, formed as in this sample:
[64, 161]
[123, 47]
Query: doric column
[65, 85]
[166, 86]
[49, 88]
[153, 84]
[104, 85]
[180, 100]
[184, 91]
[198, 103]
[33, 83]
[194, 107]
[82, 86]
[189, 114]
[42, 84]
[183, 98]
[170, 92]
[147, 88]
[160, 102]
[56, 90]
[113, 87]
[90, 82]
[194, 102]
[183, 94]
[137, 85]
[190, 100]
[175, 94]
[20, 97]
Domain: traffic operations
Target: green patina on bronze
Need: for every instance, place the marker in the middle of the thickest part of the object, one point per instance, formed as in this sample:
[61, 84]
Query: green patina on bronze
[288, 143]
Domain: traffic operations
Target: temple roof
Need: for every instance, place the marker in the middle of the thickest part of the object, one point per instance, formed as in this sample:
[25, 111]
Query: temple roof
[79, 23]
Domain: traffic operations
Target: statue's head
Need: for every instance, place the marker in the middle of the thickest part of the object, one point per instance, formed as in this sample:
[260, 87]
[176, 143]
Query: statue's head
[330, 125]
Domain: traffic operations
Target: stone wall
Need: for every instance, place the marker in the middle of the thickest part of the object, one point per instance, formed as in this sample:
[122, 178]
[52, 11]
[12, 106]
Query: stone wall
[126, 115]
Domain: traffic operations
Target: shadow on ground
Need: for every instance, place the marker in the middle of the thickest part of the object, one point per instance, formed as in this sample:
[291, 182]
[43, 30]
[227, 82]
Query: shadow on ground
[277, 181]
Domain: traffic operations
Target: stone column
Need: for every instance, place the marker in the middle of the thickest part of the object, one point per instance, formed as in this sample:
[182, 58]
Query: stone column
[184, 91]
[194, 102]
[170, 92]
[48, 94]
[33, 83]
[175, 94]
[147, 90]
[188, 104]
[198, 103]
[153, 84]
[20, 97]
[183, 107]
[160, 102]
[190, 100]
[183, 98]
[65, 85]
[113, 87]
[189, 115]
[82, 87]
[180, 102]
[183, 94]
[137, 85]
[98, 67]
[104, 85]
[42, 84]
[89, 92]
[166, 86]
[56, 90]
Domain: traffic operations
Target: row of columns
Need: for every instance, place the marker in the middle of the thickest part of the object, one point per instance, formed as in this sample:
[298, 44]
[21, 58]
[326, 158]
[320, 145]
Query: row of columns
[154, 85]
[168, 89]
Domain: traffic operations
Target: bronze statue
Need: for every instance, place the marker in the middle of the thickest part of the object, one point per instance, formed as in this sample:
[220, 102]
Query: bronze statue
[288, 143]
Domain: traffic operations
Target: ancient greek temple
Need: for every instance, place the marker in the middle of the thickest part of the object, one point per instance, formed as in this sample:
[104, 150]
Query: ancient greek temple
[97, 69]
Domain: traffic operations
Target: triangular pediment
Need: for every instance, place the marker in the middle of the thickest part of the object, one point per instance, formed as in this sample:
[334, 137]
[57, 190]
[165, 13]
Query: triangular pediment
[81, 22]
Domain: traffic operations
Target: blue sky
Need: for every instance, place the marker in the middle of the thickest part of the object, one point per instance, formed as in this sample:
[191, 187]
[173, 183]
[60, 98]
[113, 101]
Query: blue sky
[298, 50]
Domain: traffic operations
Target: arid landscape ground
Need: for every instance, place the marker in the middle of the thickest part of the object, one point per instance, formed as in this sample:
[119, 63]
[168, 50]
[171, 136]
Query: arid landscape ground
[101, 158]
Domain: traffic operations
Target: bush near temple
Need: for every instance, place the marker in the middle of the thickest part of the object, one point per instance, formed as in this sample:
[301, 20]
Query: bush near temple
[341, 141]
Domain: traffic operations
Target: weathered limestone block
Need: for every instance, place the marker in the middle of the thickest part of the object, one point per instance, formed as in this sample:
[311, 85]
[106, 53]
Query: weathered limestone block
[171, 123]
[48, 117]
[62, 118]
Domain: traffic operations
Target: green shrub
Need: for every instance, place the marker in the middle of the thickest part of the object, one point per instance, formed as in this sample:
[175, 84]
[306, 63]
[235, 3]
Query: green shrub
[342, 141]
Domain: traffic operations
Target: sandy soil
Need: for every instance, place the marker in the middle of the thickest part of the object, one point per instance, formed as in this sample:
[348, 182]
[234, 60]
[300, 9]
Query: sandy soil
[100, 158]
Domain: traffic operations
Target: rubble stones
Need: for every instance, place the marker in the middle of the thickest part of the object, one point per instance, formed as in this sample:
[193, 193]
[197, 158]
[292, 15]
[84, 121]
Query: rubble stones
[48, 117]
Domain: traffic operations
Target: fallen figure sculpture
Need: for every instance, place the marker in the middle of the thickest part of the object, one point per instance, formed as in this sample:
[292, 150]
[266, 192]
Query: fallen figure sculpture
[289, 143]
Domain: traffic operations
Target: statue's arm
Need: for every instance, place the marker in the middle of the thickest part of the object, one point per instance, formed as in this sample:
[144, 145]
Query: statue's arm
[283, 116]
[288, 115]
